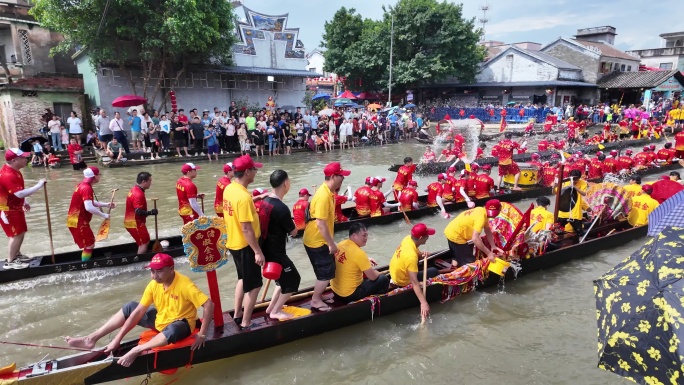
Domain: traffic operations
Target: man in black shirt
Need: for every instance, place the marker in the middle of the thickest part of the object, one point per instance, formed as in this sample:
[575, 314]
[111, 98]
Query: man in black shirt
[197, 134]
[276, 223]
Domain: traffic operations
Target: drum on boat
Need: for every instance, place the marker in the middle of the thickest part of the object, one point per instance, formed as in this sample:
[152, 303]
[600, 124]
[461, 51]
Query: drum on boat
[528, 177]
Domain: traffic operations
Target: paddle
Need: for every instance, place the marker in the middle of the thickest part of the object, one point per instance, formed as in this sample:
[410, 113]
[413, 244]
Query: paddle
[423, 319]
[263, 296]
[103, 233]
[593, 223]
[396, 199]
[201, 197]
[49, 222]
[157, 245]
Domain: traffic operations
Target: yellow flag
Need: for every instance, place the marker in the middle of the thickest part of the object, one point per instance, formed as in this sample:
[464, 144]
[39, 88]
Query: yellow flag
[601, 147]
[467, 167]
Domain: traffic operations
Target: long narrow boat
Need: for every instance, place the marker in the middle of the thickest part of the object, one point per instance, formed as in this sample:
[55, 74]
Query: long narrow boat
[229, 341]
[436, 168]
[124, 254]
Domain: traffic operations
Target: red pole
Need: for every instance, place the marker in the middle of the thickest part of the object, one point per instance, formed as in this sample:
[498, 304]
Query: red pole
[215, 298]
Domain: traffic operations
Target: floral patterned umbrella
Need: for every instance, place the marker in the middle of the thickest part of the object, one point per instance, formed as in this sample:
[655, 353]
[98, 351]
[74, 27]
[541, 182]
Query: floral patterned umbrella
[640, 313]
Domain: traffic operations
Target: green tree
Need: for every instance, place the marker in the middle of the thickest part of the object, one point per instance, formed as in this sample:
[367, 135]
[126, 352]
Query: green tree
[432, 42]
[161, 38]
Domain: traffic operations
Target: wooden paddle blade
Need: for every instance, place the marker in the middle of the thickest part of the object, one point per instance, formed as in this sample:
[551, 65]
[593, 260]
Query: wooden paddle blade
[157, 247]
[103, 233]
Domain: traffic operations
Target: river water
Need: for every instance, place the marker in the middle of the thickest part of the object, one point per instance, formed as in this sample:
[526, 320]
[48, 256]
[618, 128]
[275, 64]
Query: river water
[538, 330]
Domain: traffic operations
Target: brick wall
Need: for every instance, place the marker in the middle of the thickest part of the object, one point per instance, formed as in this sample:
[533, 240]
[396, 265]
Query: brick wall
[21, 111]
[588, 63]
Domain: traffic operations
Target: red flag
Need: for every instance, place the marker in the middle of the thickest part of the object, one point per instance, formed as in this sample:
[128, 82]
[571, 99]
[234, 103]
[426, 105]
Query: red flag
[522, 226]
[503, 125]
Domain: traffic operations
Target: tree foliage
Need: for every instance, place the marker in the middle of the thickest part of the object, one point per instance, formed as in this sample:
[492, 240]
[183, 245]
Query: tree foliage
[432, 42]
[159, 37]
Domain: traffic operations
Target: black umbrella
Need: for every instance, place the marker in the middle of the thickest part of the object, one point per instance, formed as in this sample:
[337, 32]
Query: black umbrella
[640, 313]
[27, 145]
[569, 197]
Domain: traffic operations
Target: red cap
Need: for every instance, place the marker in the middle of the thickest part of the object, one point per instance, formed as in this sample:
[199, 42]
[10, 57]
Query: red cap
[335, 168]
[647, 188]
[555, 156]
[487, 167]
[535, 156]
[412, 183]
[441, 176]
[493, 207]
[645, 148]
[471, 117]
[14, 153]
[664, 177]
[227, 167]
[474, 167]
[186, 168]
[91, 172]
[613, 152]
[259, 191]
[304, 192]
[160, 261]
[421, 230]
[368, 179]
[627, 152]
[380, 179]
[652, 146]
[599, 153]
[244, 163]
[451, 169]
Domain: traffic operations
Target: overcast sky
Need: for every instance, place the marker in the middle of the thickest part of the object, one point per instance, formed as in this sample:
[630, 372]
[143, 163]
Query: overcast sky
[540, 21]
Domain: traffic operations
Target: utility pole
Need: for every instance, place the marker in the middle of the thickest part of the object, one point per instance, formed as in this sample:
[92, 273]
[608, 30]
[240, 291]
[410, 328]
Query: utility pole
[389, 95]
[484, 20]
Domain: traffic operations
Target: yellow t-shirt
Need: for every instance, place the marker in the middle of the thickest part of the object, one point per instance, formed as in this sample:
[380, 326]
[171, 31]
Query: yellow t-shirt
[460, 229]
[322, 206]
[238, 208]
[350, 263]
[543, 217]
[642, 205]
[633, 190]
[576, 212]
[404, 260]
[180, 301]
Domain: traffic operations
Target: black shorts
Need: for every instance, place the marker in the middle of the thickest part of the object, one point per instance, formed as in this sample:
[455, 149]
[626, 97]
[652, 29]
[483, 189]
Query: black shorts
[106, 137]
[174, 332]
[622, 136]
[289, 277]
[247, 270]
[180, 142]
[462, 252]
[322, 261]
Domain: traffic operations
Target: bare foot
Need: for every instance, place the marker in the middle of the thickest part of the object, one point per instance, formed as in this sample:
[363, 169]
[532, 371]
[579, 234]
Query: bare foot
[80, 342]
[281, 315]
[128, 358]
[516, 188]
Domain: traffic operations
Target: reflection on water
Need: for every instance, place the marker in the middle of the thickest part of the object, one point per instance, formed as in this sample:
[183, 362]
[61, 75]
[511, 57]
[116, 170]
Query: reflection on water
[538, 330]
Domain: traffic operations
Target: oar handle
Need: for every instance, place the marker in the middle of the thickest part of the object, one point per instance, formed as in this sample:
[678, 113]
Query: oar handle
[112, 200]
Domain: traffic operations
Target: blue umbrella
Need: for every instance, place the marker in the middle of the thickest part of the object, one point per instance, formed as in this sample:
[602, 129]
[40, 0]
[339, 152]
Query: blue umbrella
[669, 213]
[321, 96]
[410, 105]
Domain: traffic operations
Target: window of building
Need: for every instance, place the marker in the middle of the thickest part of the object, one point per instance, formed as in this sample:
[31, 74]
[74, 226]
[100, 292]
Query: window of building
[629, 68]
[62, 110]
[25, 46]
[312, 69]
[665, 66]
[622, 68]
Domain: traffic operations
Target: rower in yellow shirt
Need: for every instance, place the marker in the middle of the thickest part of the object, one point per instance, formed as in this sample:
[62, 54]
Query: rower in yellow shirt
[634, 187]
[351, 263]
[540, 216]
[642, 205]
[573, 219]
[463, 233]
[403, 266]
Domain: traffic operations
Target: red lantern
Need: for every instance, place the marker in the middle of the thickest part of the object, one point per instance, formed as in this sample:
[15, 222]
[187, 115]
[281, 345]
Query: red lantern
[174, 105]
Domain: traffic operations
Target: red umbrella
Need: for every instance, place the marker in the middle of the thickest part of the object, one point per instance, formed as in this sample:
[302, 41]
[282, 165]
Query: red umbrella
[347, 95]
[128, 101]
[664, 189]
